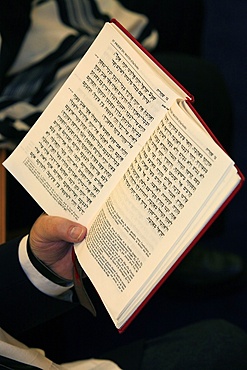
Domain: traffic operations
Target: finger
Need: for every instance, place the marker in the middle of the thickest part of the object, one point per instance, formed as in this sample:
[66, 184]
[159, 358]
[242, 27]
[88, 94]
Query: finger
[56, 228]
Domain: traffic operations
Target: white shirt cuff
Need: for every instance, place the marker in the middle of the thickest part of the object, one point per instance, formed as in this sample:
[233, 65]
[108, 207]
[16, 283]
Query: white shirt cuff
[36, 278]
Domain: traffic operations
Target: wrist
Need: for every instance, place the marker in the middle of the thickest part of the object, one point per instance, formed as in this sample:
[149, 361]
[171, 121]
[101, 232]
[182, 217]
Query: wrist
[37, 278]
[44, 269]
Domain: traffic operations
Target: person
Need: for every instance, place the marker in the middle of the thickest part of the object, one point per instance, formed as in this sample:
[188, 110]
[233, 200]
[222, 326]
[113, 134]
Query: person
[41, 43]
[37, 284]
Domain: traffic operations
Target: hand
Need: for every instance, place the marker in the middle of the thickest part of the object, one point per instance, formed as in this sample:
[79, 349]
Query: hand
[52, 239]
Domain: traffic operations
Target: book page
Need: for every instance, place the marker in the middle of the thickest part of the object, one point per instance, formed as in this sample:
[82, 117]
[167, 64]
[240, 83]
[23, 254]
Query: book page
[93, 128]
[155, 206]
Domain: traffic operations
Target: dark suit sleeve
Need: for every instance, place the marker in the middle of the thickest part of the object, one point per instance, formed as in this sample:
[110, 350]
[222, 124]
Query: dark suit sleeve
[22, 305]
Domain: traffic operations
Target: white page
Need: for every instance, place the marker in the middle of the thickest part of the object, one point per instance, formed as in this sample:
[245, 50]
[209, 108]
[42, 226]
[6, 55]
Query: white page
[177, 250]
[58, 138]
[133, 226]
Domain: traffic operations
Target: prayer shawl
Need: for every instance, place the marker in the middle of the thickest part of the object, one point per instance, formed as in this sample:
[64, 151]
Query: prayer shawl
[39, 54]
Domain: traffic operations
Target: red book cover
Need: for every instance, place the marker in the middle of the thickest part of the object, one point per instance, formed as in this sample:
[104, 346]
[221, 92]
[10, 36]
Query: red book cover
[218, 212]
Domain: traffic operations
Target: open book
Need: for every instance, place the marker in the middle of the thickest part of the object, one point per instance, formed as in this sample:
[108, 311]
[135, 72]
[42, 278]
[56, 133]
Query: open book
[121, 150]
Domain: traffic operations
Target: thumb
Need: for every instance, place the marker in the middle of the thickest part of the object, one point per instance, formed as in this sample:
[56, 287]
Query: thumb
[54, 228]
[76, 233]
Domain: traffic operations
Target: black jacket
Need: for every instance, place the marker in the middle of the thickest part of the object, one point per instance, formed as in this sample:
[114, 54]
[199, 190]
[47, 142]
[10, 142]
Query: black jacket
[23, 306]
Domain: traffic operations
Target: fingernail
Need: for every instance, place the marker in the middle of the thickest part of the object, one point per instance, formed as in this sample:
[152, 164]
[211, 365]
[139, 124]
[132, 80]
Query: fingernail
[76, 232]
